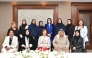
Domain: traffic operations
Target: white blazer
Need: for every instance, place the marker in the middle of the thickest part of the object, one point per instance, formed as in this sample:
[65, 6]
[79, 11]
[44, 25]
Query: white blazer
[14, 44]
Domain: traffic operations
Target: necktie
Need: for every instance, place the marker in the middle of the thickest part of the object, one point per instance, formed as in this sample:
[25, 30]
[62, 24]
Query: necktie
[10, 41]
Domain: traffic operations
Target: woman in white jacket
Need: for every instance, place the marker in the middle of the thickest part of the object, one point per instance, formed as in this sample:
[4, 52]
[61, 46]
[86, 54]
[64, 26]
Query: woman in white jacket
[10, 44]
[83, 31]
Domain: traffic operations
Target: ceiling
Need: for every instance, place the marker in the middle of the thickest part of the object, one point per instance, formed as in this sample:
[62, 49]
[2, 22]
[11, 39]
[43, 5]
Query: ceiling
[32, 0]
[45, 0]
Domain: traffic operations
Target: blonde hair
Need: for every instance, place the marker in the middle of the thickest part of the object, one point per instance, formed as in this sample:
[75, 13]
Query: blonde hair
[14, 23]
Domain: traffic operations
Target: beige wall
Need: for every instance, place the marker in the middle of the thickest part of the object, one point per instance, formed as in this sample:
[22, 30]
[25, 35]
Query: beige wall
[64, 11]
[6, 15]
[5, 20]
[45, 0]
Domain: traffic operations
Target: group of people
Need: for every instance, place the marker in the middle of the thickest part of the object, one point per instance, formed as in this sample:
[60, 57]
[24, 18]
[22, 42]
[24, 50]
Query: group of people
[49, 37]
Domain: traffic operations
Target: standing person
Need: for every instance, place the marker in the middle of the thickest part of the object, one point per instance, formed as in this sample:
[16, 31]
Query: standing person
[59, 26]
[77, 42]
[33, 29]
[28, 41]
[44, 41]
[14, 28]
[40, 28]
[83, 31]
[10, 44]
[22, 28]
[22, 33]
[50, 30]
[69, 30]
[61, 42]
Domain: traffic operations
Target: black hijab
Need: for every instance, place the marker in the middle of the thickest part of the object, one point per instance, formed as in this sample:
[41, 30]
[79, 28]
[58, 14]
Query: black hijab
[77, 37]
[26, 34]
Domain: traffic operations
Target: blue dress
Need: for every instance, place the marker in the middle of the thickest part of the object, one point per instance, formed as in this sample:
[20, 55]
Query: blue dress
[50, 29]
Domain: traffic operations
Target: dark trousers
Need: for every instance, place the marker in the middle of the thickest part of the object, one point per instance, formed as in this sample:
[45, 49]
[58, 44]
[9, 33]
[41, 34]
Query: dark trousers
[20, 43]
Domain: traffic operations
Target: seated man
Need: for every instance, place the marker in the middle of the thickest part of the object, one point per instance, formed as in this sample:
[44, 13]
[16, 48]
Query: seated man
[61, 42]
[10, 43]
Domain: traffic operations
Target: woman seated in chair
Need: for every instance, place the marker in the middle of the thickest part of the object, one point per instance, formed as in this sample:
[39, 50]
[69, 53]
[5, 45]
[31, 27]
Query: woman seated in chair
[10, 44]
[27, 42]
[44, 41]
[77, 42]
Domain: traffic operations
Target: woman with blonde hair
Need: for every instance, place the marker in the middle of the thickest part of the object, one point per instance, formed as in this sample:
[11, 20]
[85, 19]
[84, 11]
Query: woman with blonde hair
[14, 28]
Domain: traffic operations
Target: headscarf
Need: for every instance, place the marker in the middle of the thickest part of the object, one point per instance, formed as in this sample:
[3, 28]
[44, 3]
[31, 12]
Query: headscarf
[59, 32]
[77, 37]
[26, 34]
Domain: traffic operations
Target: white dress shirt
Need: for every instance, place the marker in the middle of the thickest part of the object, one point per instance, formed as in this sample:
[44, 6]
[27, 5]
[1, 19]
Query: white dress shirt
[27, 41]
